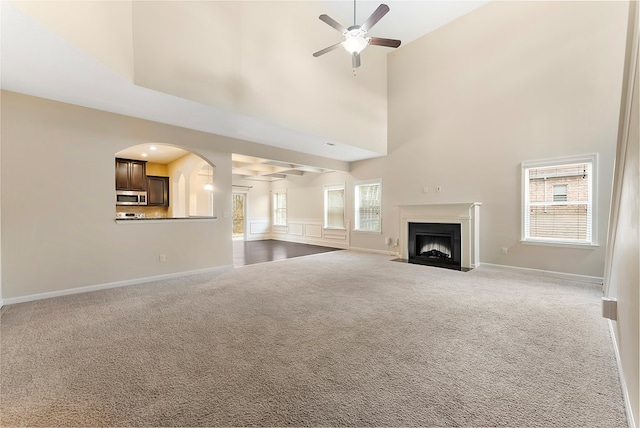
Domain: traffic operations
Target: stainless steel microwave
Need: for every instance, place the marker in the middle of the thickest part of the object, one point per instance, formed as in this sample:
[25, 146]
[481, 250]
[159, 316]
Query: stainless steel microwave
[129, 197]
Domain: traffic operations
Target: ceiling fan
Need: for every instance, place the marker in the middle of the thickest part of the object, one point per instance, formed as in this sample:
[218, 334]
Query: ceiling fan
[355, 37]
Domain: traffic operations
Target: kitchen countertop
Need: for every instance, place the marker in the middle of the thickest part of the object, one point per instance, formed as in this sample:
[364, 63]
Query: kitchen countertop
[163, 219]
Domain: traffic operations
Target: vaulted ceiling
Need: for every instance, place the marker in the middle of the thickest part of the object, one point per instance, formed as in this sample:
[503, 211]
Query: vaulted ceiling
[242, 69]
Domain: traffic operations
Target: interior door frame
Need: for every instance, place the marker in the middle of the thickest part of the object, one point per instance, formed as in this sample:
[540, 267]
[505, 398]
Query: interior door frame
[244, 215]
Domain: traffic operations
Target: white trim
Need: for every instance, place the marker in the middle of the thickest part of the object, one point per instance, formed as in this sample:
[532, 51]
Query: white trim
[148, 220]
[313, 230]
[89, 288]
[628, 83]
[466, 214]
[564, 244]
[324, 242]
[326, 189]
[623, 384]
[548, 273]
[259, 227]
[564, 160]
[591, 158]
[1, 303]
[273, 207]
[356, 216]
[369, 250]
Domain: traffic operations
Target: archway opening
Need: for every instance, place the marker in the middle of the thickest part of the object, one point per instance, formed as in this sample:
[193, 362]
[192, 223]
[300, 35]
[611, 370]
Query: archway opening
[159, 180]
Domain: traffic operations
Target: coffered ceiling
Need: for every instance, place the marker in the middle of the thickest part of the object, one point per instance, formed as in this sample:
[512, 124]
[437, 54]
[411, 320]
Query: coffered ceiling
[259, 169]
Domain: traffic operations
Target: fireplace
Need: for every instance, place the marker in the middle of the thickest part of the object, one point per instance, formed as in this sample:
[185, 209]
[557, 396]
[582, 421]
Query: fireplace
[435, 244]
[463, 215]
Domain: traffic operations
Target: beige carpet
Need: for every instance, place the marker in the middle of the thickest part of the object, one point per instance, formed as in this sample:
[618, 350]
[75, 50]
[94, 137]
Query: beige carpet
[341, 338]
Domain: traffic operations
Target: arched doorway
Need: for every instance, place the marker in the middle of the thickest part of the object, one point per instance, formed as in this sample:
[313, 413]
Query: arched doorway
[189, 178]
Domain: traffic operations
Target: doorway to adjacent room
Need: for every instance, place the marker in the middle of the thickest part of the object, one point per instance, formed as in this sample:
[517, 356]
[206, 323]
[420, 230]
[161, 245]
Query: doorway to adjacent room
[239, 207]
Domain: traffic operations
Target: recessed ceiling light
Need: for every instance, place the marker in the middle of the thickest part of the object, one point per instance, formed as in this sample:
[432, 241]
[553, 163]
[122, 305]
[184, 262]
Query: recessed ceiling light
[152, 148]
[144, 155]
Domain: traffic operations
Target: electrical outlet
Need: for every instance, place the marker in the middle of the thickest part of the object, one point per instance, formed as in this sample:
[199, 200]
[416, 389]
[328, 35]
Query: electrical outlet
[438, 188]
[610, 308]
[162, 258]
[504, 251]
[425, 189]
[396, 242]
[387, 240]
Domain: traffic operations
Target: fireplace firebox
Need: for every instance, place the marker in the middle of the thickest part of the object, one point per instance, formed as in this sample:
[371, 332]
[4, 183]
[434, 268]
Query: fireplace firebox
[435, 244]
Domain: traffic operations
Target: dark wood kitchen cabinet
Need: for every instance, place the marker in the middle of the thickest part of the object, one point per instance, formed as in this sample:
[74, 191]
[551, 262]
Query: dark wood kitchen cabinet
[157, 191]
[131, 174]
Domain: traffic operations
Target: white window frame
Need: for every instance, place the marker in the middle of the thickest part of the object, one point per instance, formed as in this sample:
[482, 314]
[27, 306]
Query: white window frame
[591, 158]
[327, 189]
[356, 205]
[275, 207]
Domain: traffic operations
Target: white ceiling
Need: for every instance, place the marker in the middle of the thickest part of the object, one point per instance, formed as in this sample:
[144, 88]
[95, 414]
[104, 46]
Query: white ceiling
[157, 153]
[39, 62]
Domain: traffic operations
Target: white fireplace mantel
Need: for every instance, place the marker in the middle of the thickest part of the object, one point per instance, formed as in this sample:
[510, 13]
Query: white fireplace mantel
[467, 214]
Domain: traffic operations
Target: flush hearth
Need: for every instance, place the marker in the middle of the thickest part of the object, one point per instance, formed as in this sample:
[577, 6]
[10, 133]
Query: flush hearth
[435, 244]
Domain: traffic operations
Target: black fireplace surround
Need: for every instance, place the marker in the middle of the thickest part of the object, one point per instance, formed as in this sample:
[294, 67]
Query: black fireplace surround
[435, 244]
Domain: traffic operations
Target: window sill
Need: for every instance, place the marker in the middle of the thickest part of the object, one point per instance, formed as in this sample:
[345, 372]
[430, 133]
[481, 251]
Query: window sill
[369, 232]
[335, 228]
[564, 244]
[154, 220]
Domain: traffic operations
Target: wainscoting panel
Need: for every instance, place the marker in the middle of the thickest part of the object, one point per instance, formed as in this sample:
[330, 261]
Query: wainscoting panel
[258, 228]
[310, 231]
[313, 230]
[278, 230]
[296, 229]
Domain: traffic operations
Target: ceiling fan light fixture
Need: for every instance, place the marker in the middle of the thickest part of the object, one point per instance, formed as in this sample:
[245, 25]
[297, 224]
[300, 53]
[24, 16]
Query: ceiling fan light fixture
[355, 42]
[355, 37]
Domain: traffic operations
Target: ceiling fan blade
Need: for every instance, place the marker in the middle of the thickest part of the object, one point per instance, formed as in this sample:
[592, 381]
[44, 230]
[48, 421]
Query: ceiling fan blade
[325, 50]
[335, 24]
[375, 17]
[355, 60]
[390, 43]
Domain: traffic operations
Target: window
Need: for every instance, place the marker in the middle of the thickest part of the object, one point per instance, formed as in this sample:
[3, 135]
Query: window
[280, 209]
[334, 207]
[559, 200]
[560, 192]
[368, 196]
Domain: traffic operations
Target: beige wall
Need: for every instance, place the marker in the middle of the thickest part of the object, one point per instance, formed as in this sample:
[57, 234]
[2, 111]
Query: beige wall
[58, 228]
[101, 28]
[471, 101]
[58, 212]
[157, 169]
[507, 83]
[622, 281]
[213, 60]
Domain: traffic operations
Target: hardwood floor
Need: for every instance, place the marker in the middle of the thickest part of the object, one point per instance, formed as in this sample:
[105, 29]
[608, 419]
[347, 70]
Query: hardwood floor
[250, 252]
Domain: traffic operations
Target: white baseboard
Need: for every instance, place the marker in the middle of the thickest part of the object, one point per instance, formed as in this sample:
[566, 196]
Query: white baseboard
[548, 273]
[369, 250]
[89, 288]
[623, 383]
[318, 242]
